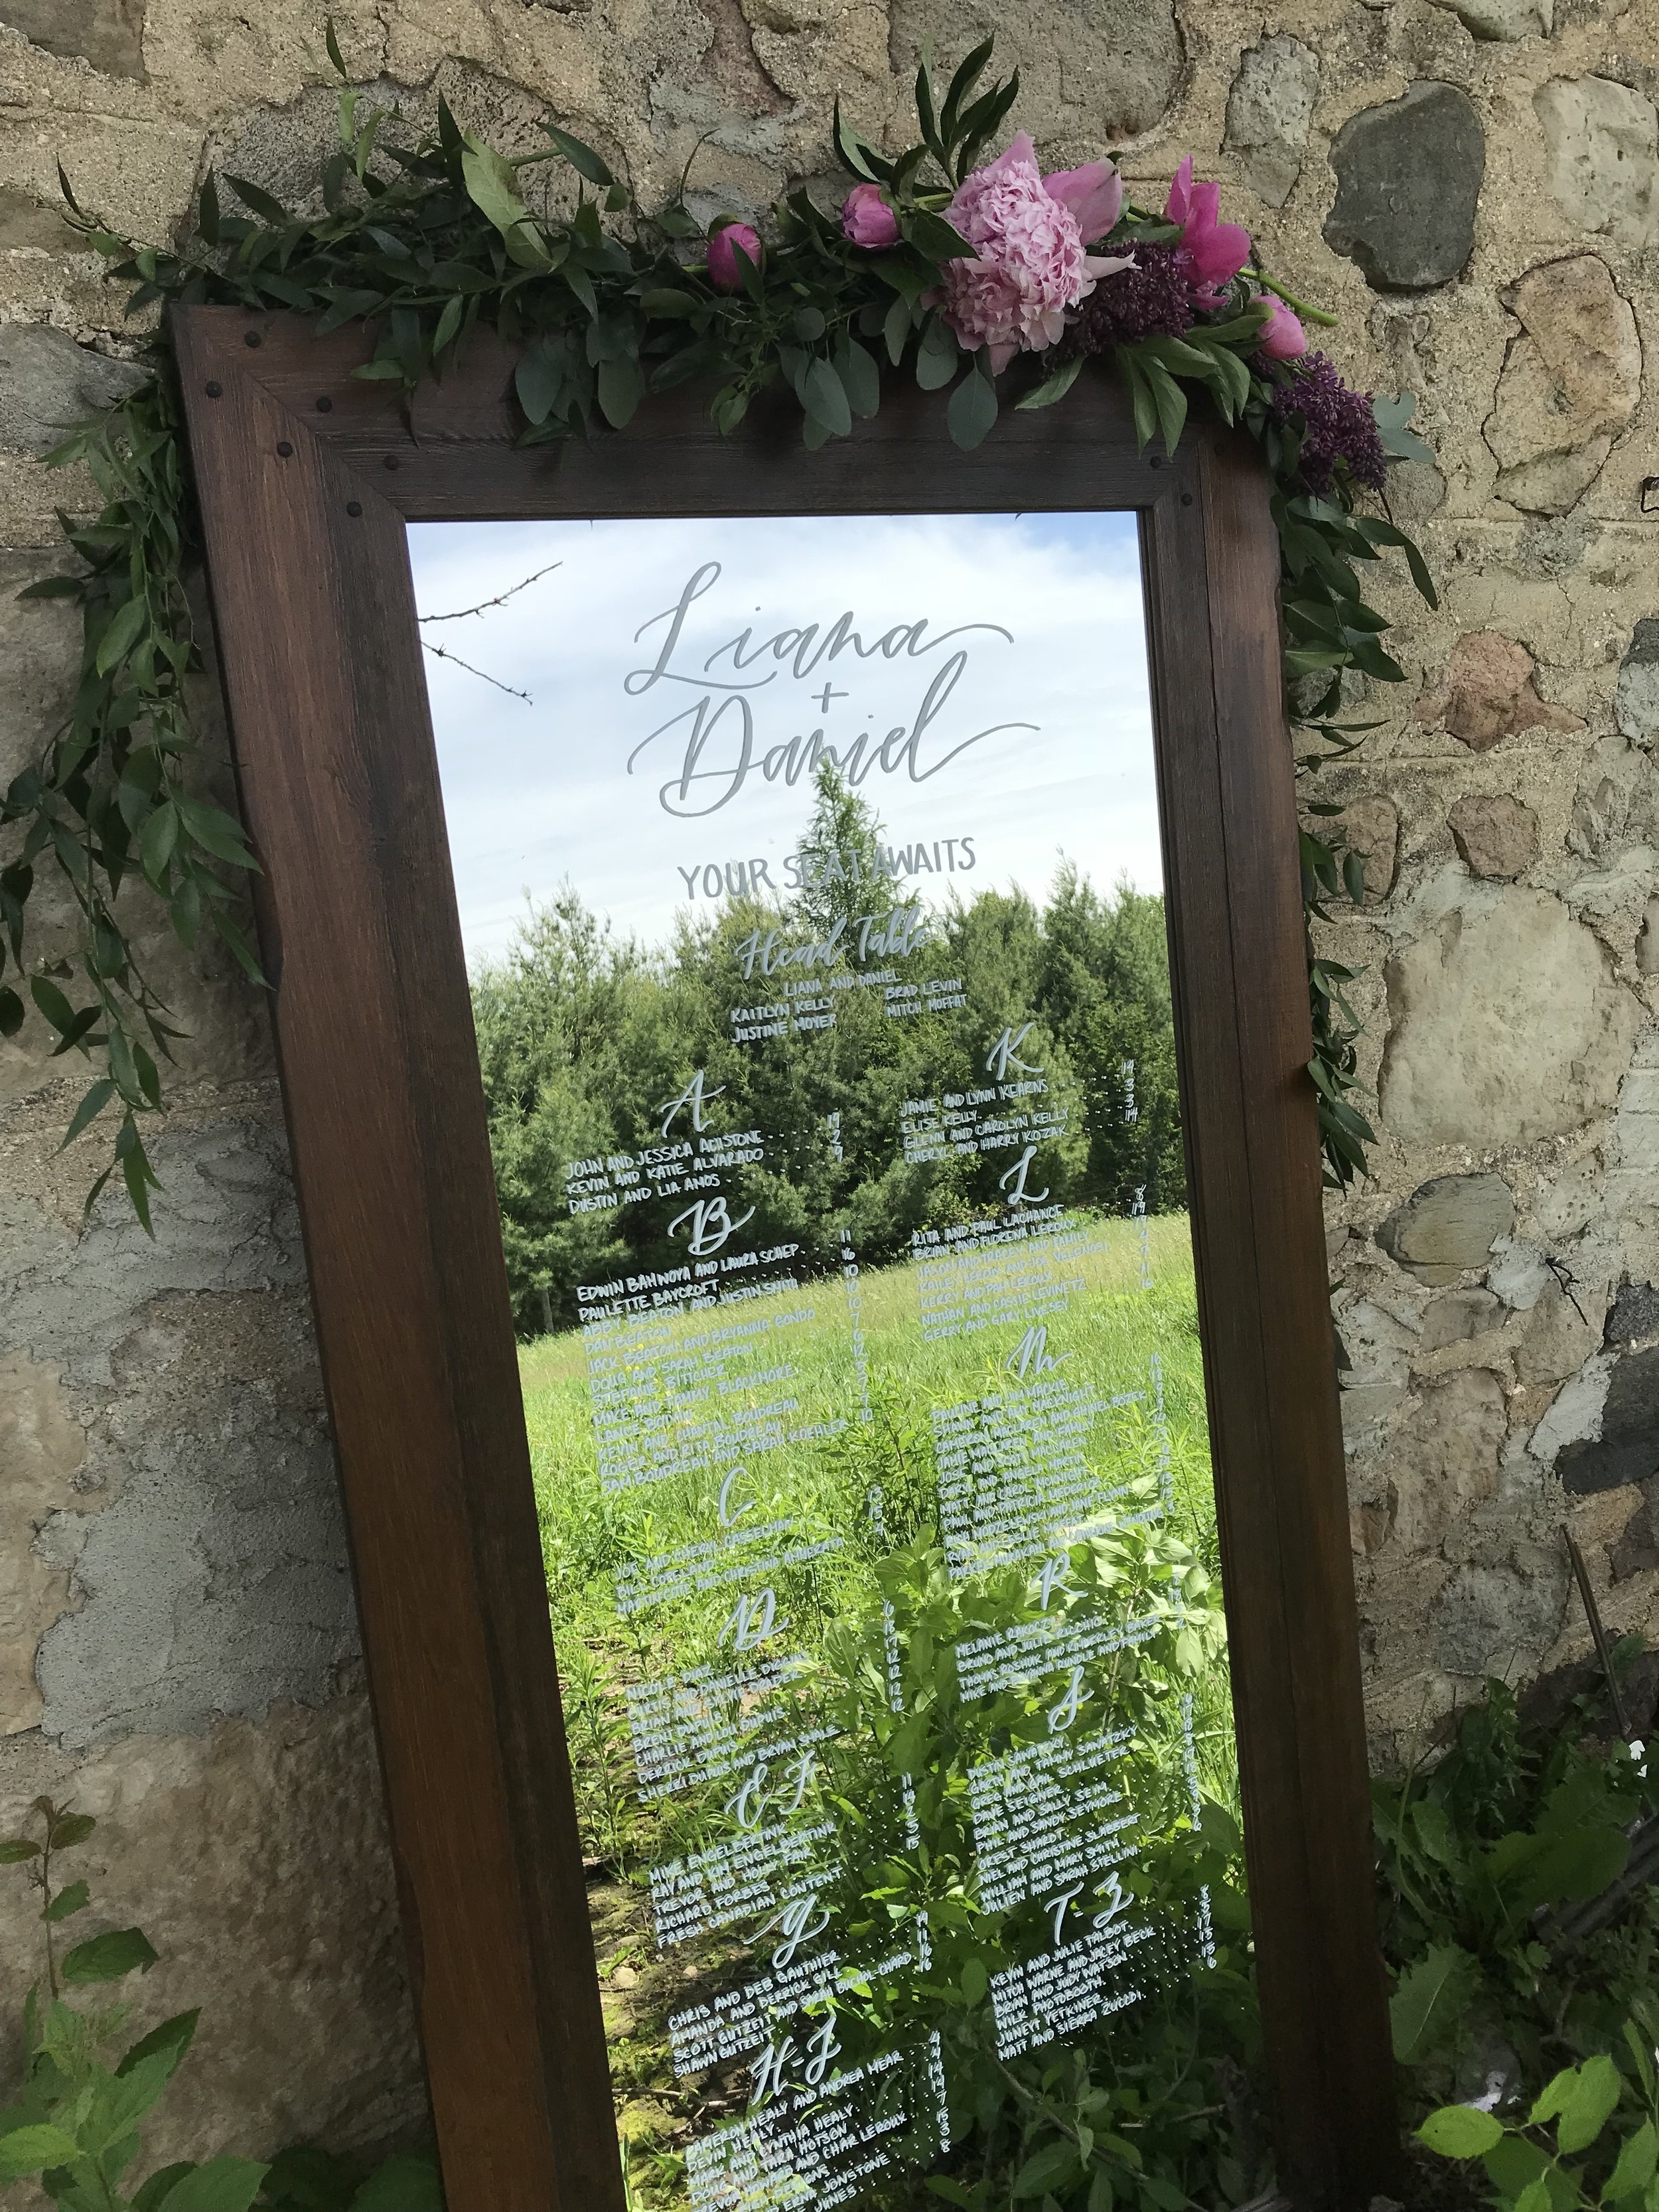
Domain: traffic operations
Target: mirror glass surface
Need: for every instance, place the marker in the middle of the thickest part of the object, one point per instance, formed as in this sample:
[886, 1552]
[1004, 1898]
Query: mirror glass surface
[810, 878]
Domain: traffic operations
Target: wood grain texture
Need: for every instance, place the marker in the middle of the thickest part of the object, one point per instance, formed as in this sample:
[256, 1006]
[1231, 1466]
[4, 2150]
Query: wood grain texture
[334, 752]
[339, 786]
[1244, 1037]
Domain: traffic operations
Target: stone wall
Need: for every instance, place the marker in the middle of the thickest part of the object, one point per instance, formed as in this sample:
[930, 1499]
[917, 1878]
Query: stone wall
[1476, 187]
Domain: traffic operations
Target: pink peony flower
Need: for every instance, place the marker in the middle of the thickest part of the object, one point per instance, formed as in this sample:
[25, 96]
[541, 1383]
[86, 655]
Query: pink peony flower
[1282, 335]
[1219, 249]
[866, 218]
[1031, 264]
[724, 273]
[1094, 193]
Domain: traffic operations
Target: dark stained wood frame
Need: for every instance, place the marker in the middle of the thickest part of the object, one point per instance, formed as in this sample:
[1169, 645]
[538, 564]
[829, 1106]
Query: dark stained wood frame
[307, 476]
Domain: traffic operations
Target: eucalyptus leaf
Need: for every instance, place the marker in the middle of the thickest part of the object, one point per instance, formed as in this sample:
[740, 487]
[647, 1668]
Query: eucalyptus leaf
[621, 387]
[824, 397]
[1392, 415]
[972, 410]
[939, 356]
[538, 380]
[895, 332]
[860, 378]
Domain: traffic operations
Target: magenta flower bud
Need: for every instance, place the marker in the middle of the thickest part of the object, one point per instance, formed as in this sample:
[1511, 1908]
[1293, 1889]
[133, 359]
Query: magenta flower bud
[866, 218]
[1282, 336]
[724, 273]
[1218, 250]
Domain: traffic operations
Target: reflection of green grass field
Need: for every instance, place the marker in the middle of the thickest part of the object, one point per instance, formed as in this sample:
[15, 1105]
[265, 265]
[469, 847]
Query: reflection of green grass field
[1111, 1331]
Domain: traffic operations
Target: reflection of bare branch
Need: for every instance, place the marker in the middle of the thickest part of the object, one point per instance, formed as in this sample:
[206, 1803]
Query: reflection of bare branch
[440, 653]
[484, 605]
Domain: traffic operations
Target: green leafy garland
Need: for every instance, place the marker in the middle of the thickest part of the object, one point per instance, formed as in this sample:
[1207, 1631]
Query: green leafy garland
[426, 244]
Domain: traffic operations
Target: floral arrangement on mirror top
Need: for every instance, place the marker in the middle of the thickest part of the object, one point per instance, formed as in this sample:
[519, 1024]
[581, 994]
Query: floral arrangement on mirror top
[955, 266]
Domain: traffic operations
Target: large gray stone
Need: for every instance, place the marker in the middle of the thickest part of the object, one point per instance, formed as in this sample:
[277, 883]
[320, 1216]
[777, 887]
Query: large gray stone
[1505, 1024]
[1268, 111]
[1570, 383]
[1094, 71]
[1627, 1450]
[1408, 179]
[1637, 699]
[48, 383]
[1504, 19]
[1448, 1225]
[108, 33]
[1601, 140]
[1461, 1316]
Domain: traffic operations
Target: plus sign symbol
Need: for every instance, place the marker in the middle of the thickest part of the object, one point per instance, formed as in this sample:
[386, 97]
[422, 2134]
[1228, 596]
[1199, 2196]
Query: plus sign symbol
[826, 696]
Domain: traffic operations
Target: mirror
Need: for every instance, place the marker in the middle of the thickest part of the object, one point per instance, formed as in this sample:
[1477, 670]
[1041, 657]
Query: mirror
[809, 872]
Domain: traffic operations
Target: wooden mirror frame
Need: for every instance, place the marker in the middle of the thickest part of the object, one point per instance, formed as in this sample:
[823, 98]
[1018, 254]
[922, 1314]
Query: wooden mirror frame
[307, 476]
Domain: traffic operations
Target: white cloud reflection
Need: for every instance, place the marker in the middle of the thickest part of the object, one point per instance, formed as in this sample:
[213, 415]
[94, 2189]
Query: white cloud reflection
[538, 794]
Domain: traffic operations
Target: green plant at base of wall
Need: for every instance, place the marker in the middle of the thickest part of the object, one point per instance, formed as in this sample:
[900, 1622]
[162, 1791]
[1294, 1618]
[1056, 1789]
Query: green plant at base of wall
[75, 2127]
[1602, 2156]
[428, 242]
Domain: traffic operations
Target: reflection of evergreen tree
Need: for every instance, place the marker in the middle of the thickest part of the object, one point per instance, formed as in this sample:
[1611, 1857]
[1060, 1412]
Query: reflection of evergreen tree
[585, 1037]
[839, 850]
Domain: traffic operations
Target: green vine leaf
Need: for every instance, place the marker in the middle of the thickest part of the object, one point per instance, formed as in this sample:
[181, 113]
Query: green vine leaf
[123, 633]
[492, 185]
[581, 157]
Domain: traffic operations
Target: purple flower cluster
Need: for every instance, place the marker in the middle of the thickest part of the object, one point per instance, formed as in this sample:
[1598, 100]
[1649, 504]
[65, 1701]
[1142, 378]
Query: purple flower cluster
[1338, 425]
[1152, 300]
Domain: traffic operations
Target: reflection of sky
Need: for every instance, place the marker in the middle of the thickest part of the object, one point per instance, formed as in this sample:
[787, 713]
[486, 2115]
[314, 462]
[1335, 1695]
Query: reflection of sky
[1038, 745]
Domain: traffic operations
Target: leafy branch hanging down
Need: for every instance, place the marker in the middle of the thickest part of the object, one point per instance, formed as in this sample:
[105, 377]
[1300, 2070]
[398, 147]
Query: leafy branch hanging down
[947, 269]
[113, 795]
